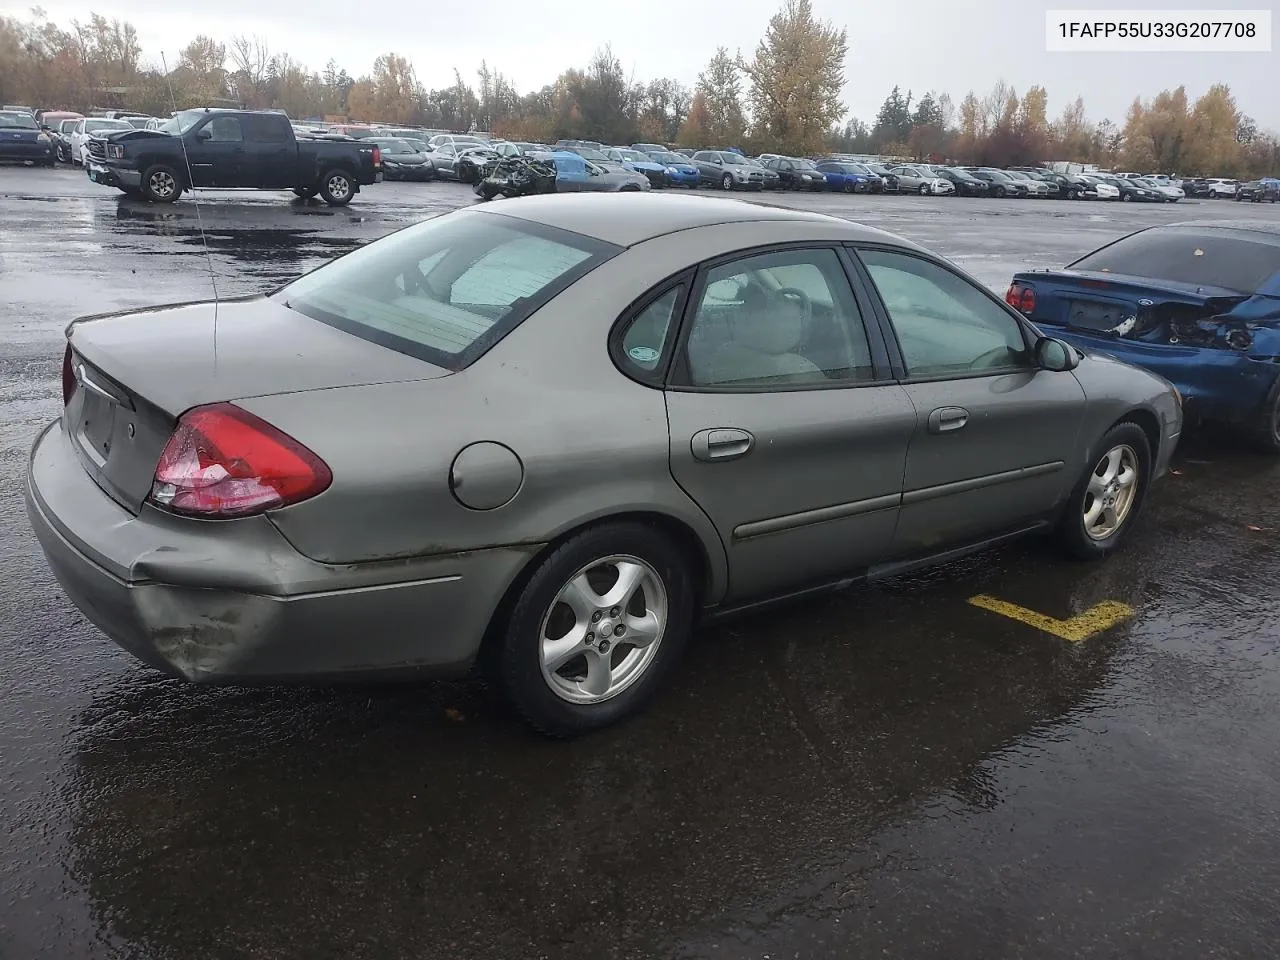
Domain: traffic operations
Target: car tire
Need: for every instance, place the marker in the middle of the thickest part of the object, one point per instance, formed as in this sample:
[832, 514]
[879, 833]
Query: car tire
[726, 182]
[305, 193]
[557, 701]
[1123, 448]
[161, 184]
[848, 187]
[1126, 197]
[1266, 435]
[1001, 192]
[924, 189]
[336, 188]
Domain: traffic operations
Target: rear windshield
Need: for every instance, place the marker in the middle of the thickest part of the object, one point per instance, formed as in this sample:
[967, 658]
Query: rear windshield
[447, 289]
[1208, 258]
[13, 119]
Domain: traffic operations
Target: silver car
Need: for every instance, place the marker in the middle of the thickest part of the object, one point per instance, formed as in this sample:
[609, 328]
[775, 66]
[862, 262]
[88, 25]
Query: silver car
[546, 436]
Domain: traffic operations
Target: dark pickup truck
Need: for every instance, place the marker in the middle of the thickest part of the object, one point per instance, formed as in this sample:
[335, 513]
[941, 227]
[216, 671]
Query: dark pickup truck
[231, 149]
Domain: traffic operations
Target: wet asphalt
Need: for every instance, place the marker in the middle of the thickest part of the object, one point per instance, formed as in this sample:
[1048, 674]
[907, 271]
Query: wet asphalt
[887, 772]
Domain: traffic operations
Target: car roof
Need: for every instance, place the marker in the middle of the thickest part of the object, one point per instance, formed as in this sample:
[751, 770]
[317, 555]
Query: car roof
[625, 219]
[1264, 231]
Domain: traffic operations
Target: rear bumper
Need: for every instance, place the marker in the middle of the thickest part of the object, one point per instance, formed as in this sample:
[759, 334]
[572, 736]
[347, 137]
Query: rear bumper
[233, 602]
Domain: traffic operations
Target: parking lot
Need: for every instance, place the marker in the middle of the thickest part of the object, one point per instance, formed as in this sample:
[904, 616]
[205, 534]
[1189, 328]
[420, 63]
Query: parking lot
[1084, 764]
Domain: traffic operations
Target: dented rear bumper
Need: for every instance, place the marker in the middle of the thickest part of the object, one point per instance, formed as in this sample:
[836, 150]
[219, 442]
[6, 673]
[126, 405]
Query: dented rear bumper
[233, 602]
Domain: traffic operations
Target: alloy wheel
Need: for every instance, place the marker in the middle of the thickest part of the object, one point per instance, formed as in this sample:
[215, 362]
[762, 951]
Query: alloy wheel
[162, 184]
[1112, 490]
[339, 187]
[603, 629]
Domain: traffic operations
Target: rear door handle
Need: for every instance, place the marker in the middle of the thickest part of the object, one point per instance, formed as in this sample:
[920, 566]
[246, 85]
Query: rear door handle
[946, 419]
[721, 443]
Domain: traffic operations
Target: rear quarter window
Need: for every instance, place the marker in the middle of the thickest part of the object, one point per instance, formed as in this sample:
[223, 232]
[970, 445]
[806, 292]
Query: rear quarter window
[1199, 257]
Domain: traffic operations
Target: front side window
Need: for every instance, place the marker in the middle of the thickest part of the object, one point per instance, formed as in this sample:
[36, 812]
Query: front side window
[446, 289]
[945, 325]
[781, 318]
[224, 130]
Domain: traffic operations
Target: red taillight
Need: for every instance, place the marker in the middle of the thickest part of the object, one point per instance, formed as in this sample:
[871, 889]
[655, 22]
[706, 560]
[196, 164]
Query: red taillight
[68, 377]
[223, 461]
[377, 156]
[1021, 297]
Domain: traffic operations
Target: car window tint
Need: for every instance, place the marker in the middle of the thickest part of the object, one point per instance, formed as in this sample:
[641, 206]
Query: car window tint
[944, 323]
[779, 318]
[225, 130]
[447, 288]
[1216, 258]
[263, 128]
[644, 340]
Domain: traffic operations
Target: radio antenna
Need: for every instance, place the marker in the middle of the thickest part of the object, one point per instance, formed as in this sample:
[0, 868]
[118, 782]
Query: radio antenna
[204, 239]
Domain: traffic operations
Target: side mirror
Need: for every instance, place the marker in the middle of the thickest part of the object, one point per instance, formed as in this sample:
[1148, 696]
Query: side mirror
[1055, 355]
[204, 134]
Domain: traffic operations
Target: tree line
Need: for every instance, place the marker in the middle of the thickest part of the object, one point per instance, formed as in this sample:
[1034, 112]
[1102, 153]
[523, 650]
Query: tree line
[1167, 134]
[784, 98]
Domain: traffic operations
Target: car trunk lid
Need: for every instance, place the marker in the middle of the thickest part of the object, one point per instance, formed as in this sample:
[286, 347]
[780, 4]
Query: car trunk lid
[136, 373]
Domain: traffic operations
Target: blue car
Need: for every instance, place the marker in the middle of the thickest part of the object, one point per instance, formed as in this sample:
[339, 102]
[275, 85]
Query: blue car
[680, 172]
[22, 139]
[639, 162]
[1196, 302]
[843, 176]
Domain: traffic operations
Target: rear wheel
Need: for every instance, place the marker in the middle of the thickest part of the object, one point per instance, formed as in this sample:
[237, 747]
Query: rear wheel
[336, 188]
[1109, 495]
[160, 184]
[596, 629]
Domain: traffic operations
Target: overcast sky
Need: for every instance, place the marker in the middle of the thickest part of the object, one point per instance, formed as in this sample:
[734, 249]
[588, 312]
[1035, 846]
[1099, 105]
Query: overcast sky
[919, 44]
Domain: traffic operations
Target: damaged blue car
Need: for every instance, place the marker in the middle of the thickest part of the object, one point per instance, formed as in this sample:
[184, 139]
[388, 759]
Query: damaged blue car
[1196, 302]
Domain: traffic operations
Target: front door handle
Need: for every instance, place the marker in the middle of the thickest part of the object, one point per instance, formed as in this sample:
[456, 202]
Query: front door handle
[721, 443]
[946, 419]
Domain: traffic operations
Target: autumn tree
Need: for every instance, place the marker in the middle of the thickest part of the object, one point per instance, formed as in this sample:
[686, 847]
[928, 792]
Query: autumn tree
[893, 121]
[695, 131]
[1215, 122]
[796, 76]
[721, 87]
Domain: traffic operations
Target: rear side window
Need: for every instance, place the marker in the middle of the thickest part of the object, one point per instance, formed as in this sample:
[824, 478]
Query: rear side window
[448, 289]
[268, 129]
[1218, 258]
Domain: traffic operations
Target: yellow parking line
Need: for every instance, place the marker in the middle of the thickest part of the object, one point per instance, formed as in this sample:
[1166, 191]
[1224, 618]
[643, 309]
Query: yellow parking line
[1082, 626]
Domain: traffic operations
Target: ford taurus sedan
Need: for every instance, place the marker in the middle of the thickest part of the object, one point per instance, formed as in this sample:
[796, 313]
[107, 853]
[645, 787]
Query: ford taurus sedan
[545, 436]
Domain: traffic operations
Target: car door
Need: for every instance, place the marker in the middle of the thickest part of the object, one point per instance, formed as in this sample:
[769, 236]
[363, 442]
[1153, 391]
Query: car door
[710, 166]
[216, 152]
[443, 159]
[995, 437]
[785, 426]
[77, 142]
[271, 152]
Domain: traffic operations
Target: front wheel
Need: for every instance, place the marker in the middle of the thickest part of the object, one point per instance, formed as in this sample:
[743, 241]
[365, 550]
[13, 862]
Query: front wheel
[1127, 197]
[924, 189]
[1109, 495]
[1266, 437]
[727, 182]
[160, 184]
[594, 632]
[848, 186]
[336, 188]
[1001, 192]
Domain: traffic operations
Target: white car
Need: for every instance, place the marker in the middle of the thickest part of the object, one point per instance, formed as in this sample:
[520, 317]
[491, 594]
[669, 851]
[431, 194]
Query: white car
[1104, 190]
[87, 128]
[1219, 188]
[1035, 188]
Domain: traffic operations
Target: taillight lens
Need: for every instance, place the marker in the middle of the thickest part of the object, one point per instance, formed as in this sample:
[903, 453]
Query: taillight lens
[68, 377]
[224, 462]
[377, 156]
[1021, 297]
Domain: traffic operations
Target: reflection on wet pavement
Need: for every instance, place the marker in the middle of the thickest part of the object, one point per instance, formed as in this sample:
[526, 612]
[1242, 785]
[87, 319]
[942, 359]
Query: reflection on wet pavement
[890, 771]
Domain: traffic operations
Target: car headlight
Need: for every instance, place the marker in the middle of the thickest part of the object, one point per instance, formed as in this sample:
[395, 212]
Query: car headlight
[115, 150]
[671, 171]
[42, 138]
